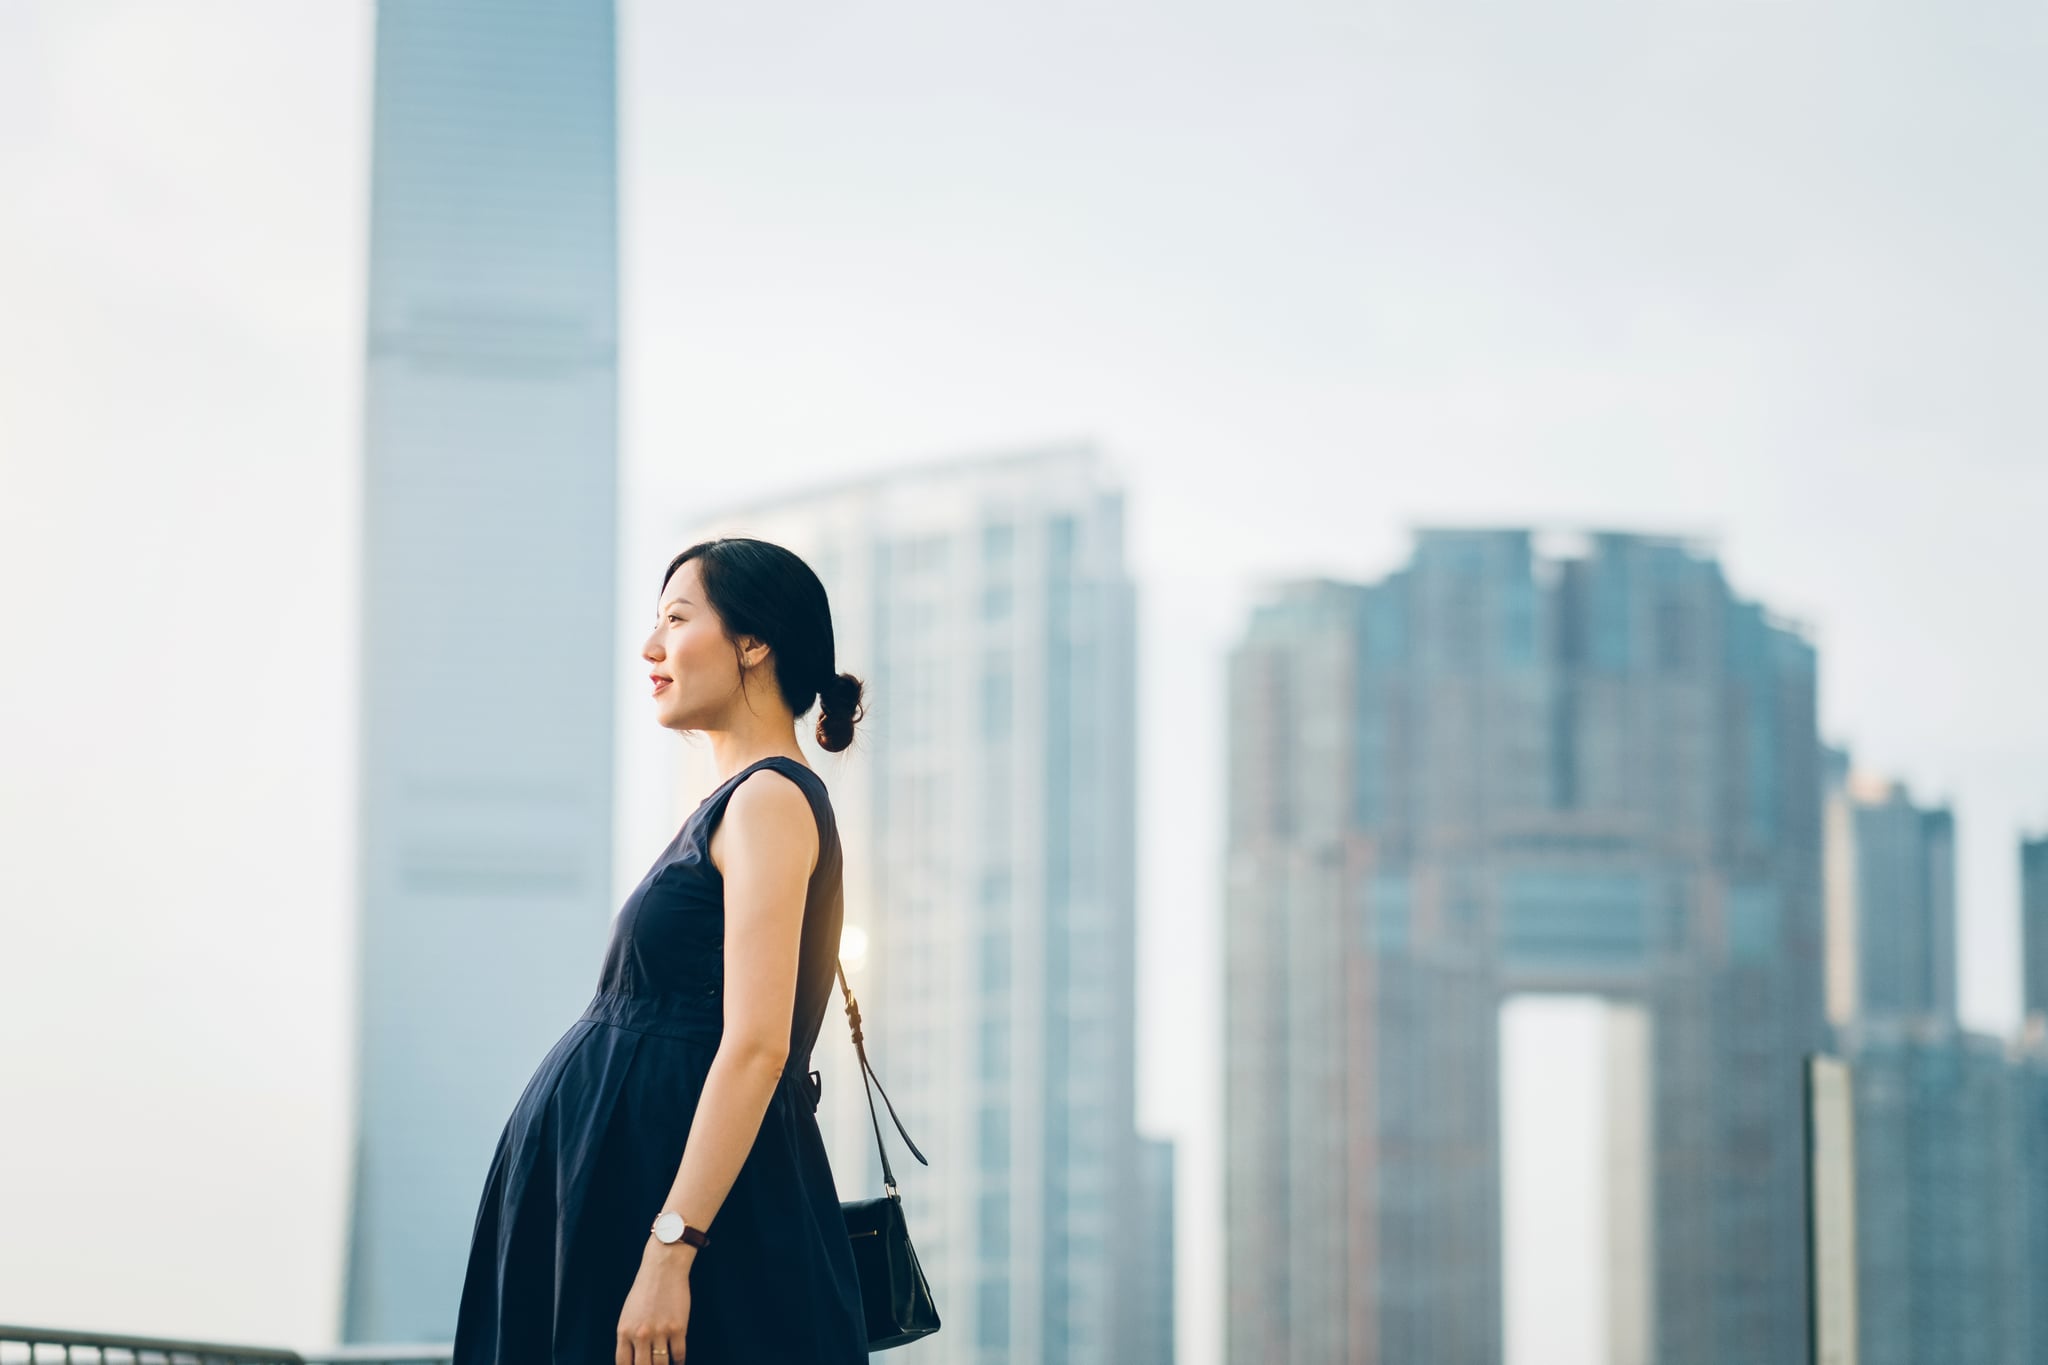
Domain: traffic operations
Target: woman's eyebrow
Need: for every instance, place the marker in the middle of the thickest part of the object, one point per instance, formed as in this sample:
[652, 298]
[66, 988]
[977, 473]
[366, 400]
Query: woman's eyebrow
[679, 602]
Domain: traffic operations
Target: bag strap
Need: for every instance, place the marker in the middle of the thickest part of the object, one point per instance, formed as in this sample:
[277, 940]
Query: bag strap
[871, 1083]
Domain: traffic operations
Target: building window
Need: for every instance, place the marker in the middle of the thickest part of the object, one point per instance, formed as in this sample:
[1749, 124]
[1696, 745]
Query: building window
[995, 961]
[1060, 541]
[995, 697]
[995, 1225]
[995, 1138]
[993, 1315]
[995, 1049]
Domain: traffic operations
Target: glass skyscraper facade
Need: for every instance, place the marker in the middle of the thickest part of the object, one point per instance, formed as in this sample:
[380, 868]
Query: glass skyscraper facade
[2033, 1083]
[1505, 769]
[1950, 1174]
[1904, 888]
[2032, 1147]
[489, 646]
[987, 807]
[2034, 928]
[1153, 1344]
[1942, 1213]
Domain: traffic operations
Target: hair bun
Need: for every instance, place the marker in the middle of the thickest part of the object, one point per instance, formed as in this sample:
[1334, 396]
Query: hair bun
[839, 710]
[832, 694]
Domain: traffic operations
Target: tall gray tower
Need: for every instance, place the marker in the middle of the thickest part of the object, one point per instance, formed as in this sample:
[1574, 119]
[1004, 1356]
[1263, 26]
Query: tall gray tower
[489, 648]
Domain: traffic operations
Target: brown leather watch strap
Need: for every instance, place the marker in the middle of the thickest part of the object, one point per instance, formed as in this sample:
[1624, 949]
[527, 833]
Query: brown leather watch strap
[690, 1236]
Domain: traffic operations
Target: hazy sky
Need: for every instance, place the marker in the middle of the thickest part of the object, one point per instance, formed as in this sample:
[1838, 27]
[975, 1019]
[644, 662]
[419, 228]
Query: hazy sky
[1311, 274]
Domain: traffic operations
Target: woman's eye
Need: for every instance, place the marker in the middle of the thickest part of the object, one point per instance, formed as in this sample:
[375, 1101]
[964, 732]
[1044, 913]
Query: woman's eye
[673, 617]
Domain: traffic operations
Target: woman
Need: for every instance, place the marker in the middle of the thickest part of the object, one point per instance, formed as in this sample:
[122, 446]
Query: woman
[661, 1190]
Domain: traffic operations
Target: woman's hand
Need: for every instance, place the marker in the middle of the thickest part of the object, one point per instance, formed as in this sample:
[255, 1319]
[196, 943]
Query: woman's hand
[657, 1310]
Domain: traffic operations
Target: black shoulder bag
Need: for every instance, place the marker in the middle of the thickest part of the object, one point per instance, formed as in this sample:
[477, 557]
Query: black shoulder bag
[893, 1291]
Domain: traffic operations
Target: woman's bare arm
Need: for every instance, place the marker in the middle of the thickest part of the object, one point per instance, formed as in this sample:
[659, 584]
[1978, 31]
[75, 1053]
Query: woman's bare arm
[768, 849]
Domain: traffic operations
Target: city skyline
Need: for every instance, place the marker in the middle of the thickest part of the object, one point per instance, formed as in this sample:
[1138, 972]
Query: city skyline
[1641, 272]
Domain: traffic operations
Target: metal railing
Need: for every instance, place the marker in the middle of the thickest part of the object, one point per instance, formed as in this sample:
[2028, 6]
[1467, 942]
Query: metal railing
[49, 1345]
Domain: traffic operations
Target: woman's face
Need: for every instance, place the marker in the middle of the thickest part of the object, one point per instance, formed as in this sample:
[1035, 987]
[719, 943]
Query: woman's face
[694, 675]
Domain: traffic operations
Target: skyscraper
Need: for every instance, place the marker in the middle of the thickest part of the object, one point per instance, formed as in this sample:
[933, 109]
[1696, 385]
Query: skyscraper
[488, 627]
[1947, 1198]
[2031, 1073]
[987, 810]
[1904, 890]
[1942, 1207]
[1154, 1298]
[1499, 771]
[2033, 1086]
[2034, 928]
[1838, 879]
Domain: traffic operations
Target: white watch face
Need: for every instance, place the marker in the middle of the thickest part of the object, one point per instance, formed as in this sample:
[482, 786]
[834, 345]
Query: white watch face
[668, 1227]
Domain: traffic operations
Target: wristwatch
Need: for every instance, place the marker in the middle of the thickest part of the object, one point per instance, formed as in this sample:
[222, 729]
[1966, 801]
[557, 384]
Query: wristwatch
[670, 1228]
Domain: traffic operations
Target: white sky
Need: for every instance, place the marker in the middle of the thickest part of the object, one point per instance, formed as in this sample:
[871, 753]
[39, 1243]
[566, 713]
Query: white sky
[1310, 273]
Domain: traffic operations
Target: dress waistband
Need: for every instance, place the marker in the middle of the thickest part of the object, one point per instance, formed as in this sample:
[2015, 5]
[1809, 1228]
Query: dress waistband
[670, 1016]
[689, 1016]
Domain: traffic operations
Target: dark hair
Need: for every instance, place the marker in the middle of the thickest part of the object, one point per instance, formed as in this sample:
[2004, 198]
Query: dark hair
[765, 591]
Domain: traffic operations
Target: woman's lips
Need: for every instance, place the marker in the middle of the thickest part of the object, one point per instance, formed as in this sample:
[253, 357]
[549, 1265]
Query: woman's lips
[660, 683]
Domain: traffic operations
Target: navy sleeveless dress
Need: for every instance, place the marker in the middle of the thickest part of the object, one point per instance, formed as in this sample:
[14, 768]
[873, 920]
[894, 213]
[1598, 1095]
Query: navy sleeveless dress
[587, 1158]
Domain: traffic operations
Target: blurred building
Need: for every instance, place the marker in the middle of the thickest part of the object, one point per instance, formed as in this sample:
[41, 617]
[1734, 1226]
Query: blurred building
[2033, 1155]
[987, 810]
[2034, 928]
[1902, 882]
[1507, 768]
[2033, 1104]
[489, 513]
[1153, 1344]
[1942, 1214]
[1949, 1173]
